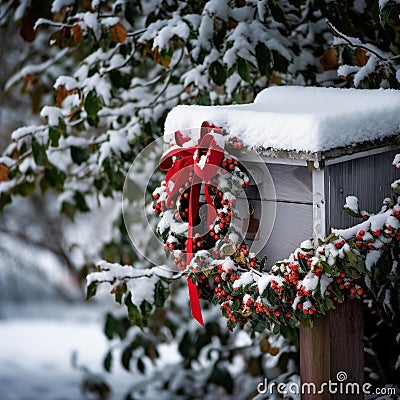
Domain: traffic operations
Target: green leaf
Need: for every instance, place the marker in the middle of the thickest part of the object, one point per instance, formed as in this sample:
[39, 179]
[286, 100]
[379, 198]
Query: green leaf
[126, 357]
[91, 290]
[120, 290]
[276, 12]
[39, 153]
[219, 35]
[120, 80]
[26, 188]
[116, 327]
[351, 258]
[140, 365]
[384, 15]
[79, 154]
[68, 209]
[107, 362]
[217, 73]
[93, 103]
[131, 12]
[4, 200]
[80, 202]
[52, 177]
[161, 293]
[54, 135]
[243, 69]
[134, 313]
[221, 377]
[265, 61]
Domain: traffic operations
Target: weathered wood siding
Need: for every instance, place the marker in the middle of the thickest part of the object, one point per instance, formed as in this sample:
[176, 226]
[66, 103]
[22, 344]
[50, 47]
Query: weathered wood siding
[368, 178]
[294, 214]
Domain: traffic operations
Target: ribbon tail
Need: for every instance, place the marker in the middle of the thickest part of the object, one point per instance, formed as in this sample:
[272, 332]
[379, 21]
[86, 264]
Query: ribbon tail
[195, 302]
[193, 293]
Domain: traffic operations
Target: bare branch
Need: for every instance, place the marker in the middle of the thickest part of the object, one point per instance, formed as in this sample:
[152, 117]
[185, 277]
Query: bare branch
[347, 39]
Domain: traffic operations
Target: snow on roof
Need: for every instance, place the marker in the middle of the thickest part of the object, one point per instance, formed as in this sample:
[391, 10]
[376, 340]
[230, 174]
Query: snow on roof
[306, 119]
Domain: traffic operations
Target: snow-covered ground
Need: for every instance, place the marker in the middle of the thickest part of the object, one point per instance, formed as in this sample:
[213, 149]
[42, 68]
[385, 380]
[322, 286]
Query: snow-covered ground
[37, 342]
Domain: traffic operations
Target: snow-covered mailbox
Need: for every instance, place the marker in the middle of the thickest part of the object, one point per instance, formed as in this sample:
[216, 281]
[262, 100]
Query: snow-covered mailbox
[314, 147]
[318, 146]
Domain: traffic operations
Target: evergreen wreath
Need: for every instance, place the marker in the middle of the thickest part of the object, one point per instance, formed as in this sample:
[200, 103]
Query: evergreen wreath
[309, 283]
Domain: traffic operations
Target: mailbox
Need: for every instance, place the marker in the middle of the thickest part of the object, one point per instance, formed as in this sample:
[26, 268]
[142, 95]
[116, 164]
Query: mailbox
[307, 149]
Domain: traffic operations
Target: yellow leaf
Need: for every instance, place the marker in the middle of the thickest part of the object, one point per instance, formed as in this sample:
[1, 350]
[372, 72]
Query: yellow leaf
[159, 59]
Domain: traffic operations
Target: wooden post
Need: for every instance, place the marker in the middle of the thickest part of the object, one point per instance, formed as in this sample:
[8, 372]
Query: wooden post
[334, 345]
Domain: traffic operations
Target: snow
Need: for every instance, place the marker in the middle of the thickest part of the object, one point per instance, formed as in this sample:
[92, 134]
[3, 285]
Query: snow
[59, 4]
[325, 281]
[244, 280]
[372, 258]
[67, 81]
[110, 21]
[310, 282]
[265, 280]
[37, 342]
[365, 71]
[382, 3]
[53, 114]
[91, 21]
[7, 161]
[142, 289]
[300, 118]
[352, 204]
[25, 131]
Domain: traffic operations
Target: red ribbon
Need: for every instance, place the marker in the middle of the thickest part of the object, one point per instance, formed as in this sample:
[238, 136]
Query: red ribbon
[180, 163]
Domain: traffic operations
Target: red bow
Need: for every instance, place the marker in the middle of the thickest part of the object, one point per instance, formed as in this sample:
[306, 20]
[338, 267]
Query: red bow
[202, 162]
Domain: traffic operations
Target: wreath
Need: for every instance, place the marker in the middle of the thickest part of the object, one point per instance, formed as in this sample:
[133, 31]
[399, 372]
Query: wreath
[202, 233]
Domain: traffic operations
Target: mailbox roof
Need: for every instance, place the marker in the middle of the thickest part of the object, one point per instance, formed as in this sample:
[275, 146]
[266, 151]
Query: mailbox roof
[301, 119]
